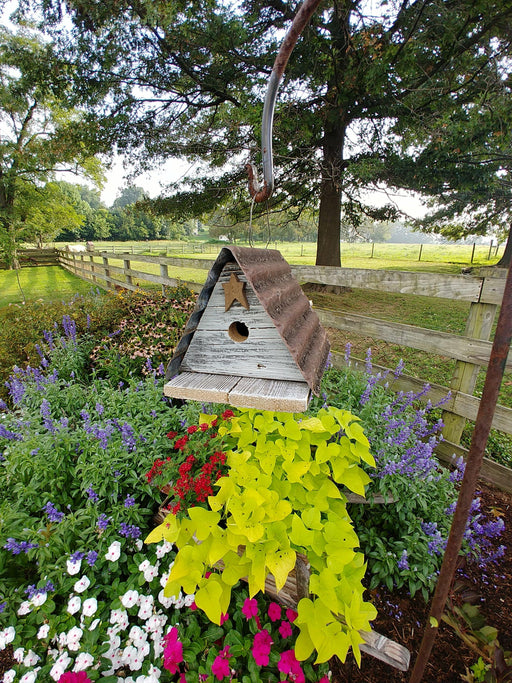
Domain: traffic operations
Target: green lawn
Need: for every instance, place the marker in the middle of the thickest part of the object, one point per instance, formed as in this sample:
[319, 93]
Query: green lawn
[49, 283]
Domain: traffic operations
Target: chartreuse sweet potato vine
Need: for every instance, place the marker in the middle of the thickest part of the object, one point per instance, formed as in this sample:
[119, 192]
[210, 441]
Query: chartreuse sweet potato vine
[282, 496]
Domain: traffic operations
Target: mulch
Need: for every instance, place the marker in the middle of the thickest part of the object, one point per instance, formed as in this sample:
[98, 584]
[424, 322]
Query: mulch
[402, 618]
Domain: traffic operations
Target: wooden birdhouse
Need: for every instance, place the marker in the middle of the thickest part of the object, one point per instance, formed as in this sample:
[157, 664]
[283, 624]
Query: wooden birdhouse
[253, 340]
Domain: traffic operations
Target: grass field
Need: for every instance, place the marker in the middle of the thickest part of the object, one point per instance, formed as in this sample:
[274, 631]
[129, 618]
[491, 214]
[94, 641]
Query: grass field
[49, 283]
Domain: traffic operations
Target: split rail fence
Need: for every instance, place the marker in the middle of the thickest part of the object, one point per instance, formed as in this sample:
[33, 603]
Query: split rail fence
[470, 351]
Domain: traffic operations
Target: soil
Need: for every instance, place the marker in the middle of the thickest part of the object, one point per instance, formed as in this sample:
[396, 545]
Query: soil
[402, 618]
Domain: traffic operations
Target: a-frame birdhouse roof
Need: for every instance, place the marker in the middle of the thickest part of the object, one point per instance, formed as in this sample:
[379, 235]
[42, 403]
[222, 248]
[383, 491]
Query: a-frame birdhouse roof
[253, 339]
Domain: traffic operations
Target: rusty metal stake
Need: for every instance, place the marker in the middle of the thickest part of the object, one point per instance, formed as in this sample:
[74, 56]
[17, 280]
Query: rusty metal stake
[495, 370]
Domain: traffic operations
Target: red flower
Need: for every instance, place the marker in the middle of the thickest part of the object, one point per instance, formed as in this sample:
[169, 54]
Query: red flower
[291, 615]
[172, 435]
[285, 629]
[74, 677]
[220, 666]
[250, 608]
[289, 665]
[274, 611]
[173, 651]
[192, 429]
[227, 414]
[261, 647]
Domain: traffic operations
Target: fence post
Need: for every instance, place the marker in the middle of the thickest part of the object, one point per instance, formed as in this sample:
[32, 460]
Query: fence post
[107, 272]
[490, 251]
[93, 276]
[373, 249]
[478, 326]
[126, 262]
[164, 272]
[473, 252]
[421, 249]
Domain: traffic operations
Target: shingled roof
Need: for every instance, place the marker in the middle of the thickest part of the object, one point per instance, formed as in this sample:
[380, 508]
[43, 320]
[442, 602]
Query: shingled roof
[282, 298]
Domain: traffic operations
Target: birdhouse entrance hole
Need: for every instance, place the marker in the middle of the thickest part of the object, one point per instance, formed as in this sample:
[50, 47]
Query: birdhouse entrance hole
[238, 331]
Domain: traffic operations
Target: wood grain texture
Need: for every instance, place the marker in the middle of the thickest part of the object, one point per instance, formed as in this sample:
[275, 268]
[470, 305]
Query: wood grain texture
[474, 351]
[460, 287]
[262, 354]
[201, 387]
[265, 394]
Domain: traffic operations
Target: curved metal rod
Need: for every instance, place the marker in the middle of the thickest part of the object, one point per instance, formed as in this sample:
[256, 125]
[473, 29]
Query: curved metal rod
[260, 194]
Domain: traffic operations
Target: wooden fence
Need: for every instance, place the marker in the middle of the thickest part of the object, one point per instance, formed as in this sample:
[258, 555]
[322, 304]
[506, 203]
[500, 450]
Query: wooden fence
[470, 351]
[35, 257]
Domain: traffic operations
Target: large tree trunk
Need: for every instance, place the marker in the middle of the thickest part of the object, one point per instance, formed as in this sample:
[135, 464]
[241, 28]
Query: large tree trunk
[329, 218]
[504, 261]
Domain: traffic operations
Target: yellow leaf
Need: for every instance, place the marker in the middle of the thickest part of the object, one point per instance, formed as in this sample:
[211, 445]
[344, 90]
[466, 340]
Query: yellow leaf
[280, 565]
[168, 531]
[213, 598]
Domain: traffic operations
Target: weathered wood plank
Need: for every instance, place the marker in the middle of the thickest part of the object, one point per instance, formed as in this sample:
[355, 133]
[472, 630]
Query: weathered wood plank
[196, 386]
[491, 471]
[203, 264]
[263, 354]
[474, 351]
[460, 287]
[266, 394]
[385, 650]
[244, 342]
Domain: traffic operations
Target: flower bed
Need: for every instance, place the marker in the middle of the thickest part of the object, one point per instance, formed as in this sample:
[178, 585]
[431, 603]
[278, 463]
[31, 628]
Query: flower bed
[81, 598]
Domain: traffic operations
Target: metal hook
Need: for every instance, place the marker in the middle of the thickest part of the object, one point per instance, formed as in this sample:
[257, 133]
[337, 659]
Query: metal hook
[257, 192]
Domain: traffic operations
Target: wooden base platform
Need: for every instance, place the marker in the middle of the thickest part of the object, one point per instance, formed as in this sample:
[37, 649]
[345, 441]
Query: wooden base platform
[241, 392]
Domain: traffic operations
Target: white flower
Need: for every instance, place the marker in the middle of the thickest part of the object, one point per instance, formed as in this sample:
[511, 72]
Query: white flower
[130, 598]
[62, 639]
[74, 636]
[73, 567]
[60, 666]
[43, 631]
[19, 654]
[146, 607]
[89, 607]
[114, 552]
[30, 676]
[94, 624]
[83, 661]
[7, 636]
[82, 585]
[138, 636]
[39, 599]
[139, 544]
[144, 565]
[9, 676]
[189, 599]
[74, 604]
[165, 602]
[151, 572]
[24, 608]
[30, 659]
[163, 549]
[155, 623]
[164, 578]
[133, 658]
[179, 602]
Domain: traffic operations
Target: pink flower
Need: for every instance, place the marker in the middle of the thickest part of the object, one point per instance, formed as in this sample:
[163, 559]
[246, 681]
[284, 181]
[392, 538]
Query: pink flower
[183, 679]
[250, 608]
[173, 651]
[285, 629]
[193, 606]
[75, 677]
[291, 615]
[289, 665]
[324, 679]
[220, 666]
[223, 618]
[261, 647]
[274, 611]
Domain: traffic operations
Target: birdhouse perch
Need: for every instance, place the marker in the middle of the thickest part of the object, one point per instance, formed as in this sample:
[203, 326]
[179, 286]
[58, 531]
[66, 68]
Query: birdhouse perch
[253, 340]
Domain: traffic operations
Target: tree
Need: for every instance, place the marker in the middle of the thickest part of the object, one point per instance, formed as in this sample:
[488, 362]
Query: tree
[44, 212]
[41, 134]
[187, 80]
[464, 163]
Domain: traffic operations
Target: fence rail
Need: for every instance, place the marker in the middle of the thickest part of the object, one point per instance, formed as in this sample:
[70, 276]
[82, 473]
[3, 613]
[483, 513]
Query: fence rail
[471, 351]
